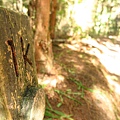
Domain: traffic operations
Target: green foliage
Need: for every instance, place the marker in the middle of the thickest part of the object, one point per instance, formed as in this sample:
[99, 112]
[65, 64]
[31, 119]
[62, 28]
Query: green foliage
[105, 18]
[80, 86]
[66, 26]
[51, 113]
[67, 94]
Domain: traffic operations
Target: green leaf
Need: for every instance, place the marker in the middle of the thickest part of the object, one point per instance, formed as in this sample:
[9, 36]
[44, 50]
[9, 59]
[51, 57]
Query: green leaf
[59, 104]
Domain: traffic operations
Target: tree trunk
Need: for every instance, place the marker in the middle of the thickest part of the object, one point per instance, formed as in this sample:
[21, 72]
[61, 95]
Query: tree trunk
[20, 97]
[53, 18]
[43, 43]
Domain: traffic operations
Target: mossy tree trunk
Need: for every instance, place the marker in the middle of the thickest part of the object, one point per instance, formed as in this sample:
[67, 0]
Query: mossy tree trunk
[20, 97]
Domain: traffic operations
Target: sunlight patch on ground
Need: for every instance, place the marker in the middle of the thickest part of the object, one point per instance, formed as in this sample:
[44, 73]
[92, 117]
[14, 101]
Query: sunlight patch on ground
[109, 56]
[107, 53]
[79, 67]
[103, 101]
[50, 81]
[110, 63]
[114, 86]
[74, 47]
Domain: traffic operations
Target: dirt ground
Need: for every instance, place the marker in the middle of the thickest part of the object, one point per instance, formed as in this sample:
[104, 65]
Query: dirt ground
[87, 85]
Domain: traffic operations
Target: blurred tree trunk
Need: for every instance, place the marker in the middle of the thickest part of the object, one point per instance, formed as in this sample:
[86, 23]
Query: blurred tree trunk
[53, 18]
[43, 43]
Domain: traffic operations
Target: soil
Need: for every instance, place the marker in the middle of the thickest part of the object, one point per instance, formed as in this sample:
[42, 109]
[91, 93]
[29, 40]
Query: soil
[87, 83]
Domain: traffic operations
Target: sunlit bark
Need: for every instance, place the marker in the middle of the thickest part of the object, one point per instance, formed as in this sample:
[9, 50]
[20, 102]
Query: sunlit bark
[43, 46]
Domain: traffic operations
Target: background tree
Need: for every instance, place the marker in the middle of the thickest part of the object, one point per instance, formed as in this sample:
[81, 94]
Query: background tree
[106, 18]
[100, 18]
[43, 43]
[53, 11]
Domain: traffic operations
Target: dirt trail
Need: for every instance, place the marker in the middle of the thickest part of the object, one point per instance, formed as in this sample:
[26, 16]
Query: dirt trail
[88, 82]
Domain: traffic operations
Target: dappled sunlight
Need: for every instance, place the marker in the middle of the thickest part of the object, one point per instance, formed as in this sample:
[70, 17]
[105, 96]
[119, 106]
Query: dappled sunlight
[114, 85]
[73, 47]
[85, 76]
[78, 66]
[103, 101]
[110, 63]
[108, 55]
[51, 81]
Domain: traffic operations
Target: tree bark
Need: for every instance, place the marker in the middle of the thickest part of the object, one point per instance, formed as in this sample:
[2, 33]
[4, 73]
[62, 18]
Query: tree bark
[53, 18]
[43, 43]
[20, 96]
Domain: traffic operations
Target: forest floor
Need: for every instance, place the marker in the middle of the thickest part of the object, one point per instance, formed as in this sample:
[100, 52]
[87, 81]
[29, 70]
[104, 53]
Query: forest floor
[87, 86]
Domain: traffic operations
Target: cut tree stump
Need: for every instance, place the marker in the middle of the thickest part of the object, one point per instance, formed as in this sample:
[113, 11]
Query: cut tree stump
[20, 96]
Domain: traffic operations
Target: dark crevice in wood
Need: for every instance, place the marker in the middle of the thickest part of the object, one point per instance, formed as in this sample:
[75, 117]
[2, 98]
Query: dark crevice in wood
[26, 53]
[11, 44]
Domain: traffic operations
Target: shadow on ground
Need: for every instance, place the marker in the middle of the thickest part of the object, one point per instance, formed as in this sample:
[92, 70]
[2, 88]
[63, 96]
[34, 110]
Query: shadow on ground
[87, 89]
